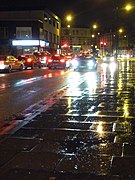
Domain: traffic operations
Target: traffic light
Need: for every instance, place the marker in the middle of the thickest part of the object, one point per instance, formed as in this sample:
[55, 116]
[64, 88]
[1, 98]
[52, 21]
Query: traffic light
[65, 45]
[102, 44]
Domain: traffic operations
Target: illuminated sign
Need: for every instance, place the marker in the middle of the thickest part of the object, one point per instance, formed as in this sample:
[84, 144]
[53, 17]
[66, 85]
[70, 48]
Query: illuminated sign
[29, 43]
[47, 44]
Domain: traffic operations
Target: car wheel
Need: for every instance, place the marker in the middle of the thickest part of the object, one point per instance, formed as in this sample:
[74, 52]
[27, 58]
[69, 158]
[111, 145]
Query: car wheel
[9, 69]
[21, 68]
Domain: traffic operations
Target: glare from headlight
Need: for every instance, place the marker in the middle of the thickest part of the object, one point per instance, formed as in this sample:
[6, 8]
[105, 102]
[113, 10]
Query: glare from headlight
[104, 58]
[90, 63]
[112, 59]
[104, 65]
[128, 56]
[113, 66]
[75, 63]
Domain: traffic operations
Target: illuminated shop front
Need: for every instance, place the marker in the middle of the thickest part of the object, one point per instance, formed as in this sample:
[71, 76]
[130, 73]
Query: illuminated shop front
[29, 46]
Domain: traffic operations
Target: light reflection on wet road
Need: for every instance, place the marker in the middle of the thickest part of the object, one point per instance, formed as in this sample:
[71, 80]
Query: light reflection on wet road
[87, 132]
[19, 90]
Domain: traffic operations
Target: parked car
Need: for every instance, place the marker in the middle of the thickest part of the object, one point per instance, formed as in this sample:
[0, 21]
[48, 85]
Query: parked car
[30, 61]
[84, 63]
[9, 63]
[58, 61]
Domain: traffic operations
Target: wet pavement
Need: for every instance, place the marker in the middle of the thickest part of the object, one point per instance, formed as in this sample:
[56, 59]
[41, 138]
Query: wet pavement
[83, 131]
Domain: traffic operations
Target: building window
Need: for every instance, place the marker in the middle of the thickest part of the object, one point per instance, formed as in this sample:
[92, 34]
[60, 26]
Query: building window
[54, 38]
[3, 32]
[50, 36]
[53, 23]
[24, 32]
[41, 33]
[77, 32]
[46, 35]
[57, 39]
[57, 25]
[66, 32]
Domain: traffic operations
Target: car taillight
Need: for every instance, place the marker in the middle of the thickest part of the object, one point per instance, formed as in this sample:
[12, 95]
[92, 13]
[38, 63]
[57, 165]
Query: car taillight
[62, 60]
[29, 60]
[50, 60]
[45, 58]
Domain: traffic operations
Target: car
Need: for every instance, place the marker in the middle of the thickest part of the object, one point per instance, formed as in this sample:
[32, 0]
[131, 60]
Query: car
[43, 56]
[84, 63]
[58, 61]
[30, 61]
[9, 63]
[69, 56]
[109, 59]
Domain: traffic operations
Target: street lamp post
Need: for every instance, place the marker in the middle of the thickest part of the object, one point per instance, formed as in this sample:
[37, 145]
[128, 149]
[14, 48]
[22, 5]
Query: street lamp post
[69, 20]
[118, 30]
[94, 36]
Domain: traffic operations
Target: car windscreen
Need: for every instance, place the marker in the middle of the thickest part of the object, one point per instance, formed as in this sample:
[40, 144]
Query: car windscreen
[83, 58]
[21, 58]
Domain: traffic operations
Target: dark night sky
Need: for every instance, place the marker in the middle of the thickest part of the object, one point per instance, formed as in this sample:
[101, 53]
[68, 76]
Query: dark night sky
[85, 12]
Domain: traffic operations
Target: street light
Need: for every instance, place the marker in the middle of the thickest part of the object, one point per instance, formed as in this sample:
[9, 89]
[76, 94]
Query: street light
[68, 26]
[68, 22]
[69, 18]
[94, 26]
[128, 7]
[120, 30]
[94, 37]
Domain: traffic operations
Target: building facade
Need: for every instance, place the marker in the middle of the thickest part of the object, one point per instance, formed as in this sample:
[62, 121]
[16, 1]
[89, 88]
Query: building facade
[76, 38]
[112, 43]
[28, 31]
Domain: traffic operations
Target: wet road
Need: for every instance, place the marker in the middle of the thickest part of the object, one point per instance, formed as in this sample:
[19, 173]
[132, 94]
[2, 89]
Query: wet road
[19, 90]
[83, 131]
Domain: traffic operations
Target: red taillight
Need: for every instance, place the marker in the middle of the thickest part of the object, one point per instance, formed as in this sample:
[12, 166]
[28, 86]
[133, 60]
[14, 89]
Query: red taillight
[29, 60]
[45, 58]
[56, 55]
[50, 60]
[62, 60]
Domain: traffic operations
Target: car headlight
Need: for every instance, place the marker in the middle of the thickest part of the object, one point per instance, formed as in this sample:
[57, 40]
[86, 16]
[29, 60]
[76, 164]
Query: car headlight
[75, 63]
[90, 63]
[104, 58]
[112, 59]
